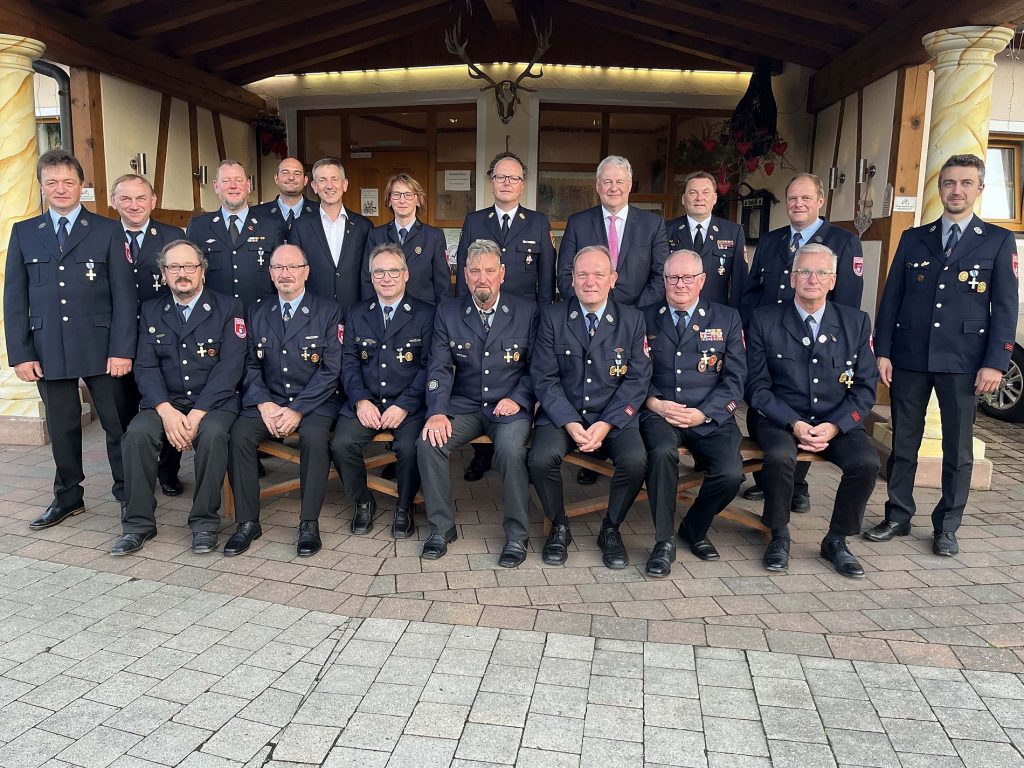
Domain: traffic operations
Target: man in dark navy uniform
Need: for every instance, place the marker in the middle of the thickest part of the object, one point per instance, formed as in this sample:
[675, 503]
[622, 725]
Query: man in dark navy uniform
[69, 311]
[718, 241]
[769, 283]
[290, 179]
[190, 361]
[527, 251]
[384, 375]
[478, 383]
[333, 238]
[946, 322]
[591, 371]
[236, 241]
[134, 199]
[700, 369]
[810, 386]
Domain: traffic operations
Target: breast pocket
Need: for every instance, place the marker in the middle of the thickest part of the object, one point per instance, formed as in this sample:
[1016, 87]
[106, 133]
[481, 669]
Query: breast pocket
[410, 353]
[712, 357]
[526, 257]
[311, 351]
[513, 353]
[568, 357]
[460, 349]
[974, 276]
[91, 268]
[616, 363]
[264, 350]
[917, 276]
[781, 362]
[38, 266]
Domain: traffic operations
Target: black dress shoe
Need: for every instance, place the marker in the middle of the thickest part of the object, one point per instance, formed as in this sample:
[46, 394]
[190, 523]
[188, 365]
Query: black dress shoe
[801, 503]
[436, 546]
[944, 544]
[309, 538]
[362, 520]
[512, 554]
[838, 553]
[776, 556]
[556, 548]
[131, 542]
[659, 564]
[753, 493]
[171, 486]
[886, 529]
[702, 548]
[204, 541]
[53, 515]
[586, 477]
[244, 535]
[477, 468]
[403, 525]
[613, 551]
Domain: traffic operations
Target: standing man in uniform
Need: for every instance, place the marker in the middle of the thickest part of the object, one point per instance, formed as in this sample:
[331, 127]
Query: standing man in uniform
[134, 199]
[384, 376]
[700, 369]
[334, 240]
[527, 252]
[478, 383]
[591, 371]
[70, 314]
[292, 369]
[191, 356]
[811, 386]
[946, 322]
[237, 242]
[769, 280]
[290, 179]
[718, 241]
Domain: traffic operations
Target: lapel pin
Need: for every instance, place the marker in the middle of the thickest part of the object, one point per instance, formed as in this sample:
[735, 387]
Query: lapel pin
[206, 307]
[701, 312]
[167, 307]
[574, 314]
[407, 308]
[504, 309]
[490, 215]
[419, 250]
[216, 219]
[305, 310]
[373, 305]
[822, 339]
[932, 228]
[152, 329]
[522, 216]
[817, 238]
[609, 318]
[152, 231]
[663, 310]
[85, 222]
[805, 341]
[42, 225]
[714, 227]
[977, 230]
[695, 327]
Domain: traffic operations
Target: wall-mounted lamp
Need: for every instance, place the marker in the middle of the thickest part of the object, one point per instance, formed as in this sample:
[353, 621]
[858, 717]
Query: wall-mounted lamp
[864, 171]
[252, 181]
[138, 164]
[836, 178]
[201, 174]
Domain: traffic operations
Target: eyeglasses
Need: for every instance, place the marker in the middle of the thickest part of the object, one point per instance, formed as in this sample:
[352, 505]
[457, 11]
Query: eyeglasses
[684, 279]
[394, 274]
[287, 267]
[175, 269]
[403, 195]
[805, 274]
[501, 178]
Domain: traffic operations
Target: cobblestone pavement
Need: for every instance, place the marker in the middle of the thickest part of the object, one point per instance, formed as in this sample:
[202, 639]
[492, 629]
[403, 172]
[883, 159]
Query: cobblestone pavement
[101, 669]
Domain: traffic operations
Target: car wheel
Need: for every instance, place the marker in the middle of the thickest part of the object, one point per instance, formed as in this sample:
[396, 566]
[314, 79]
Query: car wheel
[1007, 402]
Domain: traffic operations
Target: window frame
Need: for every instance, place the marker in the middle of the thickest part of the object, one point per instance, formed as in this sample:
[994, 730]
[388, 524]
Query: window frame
[1015, 143]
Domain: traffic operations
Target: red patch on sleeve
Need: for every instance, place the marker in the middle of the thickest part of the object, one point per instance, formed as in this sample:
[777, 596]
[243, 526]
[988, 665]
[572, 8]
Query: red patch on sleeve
[855, 416]
[341, 333]
[743, 338]
[647, 347]
[629, 410]
[1008, 346]
[871, 342]
[731, 406]
[1015, 266]
[858, 266]
[239, 327]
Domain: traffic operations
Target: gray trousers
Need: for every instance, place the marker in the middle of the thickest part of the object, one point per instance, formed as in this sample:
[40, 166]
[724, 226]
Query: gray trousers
[510, 453]
[349, 442]
[140, 448]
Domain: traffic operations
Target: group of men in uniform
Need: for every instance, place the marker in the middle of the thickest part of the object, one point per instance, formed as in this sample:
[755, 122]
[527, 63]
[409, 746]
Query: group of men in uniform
[295, 317]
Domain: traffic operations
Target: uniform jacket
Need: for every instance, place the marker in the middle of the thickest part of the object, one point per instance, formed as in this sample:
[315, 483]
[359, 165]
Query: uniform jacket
[426, 254]
[371, 368]
[705, 367]
[725, 262]
[471, 370]
[768, 282]
[148, 280]
[578, 378]
[953, 317]
[642, 253]
[341, 283]
[830, 378]
[239, 270]
[527, 252]
[72, 310]
[295, 364]
[201, 362]
[271, 210]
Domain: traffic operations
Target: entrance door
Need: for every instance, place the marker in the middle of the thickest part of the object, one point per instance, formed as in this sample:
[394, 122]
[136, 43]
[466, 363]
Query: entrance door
[372, 173]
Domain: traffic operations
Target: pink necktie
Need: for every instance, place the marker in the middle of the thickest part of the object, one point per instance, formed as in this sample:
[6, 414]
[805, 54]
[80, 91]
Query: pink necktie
[613, 239]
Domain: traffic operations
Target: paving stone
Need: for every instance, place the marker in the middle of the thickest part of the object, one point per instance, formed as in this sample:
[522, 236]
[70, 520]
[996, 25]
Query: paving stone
[550, 731]
[910, 705]
[422, 752]
[672, 682]
[668, 746]
[272, 707]
[743, 737]
[783, 693]
[848, 714]
[536, 758]
[723, 673]
[210, 711]
[78, 718]
[862, 748]
[608, 753]
[444, 721]
[739, 703]
[32, 749]
[169, 743]
[305, 743]
[489, 743]
[673, 712]
[350, 757]
[616, 691]
[18, 717]
[916, 736]
[617, 723]
[327, 709]
[974, 724]
[789, 754]
[99, 748]
[500, 709]
[981, 754]
[447, 689]
[562, 701]
[792, 725]
[366, 731]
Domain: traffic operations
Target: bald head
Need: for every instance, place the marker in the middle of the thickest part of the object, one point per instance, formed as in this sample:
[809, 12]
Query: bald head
[684, 262]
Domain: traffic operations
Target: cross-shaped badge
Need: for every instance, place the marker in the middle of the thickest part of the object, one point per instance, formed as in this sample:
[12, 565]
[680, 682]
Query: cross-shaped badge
[156, 282]
[400, 356]
[305, 353]
[508, 356]
[974, 280]
[704, 359]
[201, 349]
[90, 274]
[260, 259]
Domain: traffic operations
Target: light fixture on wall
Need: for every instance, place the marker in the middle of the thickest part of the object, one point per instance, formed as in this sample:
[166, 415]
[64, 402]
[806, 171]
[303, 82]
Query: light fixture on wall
[864, 171]
[138, 164]
[836, 178]
[201, 174]
[252, 181]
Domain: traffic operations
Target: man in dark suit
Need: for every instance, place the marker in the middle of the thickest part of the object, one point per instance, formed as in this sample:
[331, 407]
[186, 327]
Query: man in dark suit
[810, 386]
[69, 312]
[478, 383]
[384, 376]
[290, 179]
[700, 369]
[591, 371]
[769, 280]
[527, 251]
[333, 239]
[134, 199]
[946, 322]
[190, 361]
[292, 369]
[235, 240]
[718, 241]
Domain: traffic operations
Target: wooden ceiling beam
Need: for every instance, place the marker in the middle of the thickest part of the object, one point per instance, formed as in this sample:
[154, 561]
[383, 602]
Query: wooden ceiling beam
[858, 19]
[105, 7]
[146, 23]
[503, 14]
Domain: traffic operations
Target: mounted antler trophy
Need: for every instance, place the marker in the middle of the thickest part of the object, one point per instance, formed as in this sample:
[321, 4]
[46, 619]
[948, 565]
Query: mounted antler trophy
[506, 92]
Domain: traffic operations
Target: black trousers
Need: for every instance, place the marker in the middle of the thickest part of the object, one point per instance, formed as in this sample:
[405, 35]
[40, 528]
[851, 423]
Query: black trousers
[626, 450]
[142, 444]
[349, 443]
[800, 487]
[717, 452]
[169, 464]
[852, 452]
[958, 406]
[314, 465]
[112, 400]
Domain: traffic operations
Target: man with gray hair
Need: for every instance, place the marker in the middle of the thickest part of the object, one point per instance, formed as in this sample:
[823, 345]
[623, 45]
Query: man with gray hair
[810, 386]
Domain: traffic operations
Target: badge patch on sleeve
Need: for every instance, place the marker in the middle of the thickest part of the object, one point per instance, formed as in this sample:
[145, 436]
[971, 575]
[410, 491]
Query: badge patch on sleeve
[239, 327]
[1015, 266]
[855, 416]
[629, 410]
[341, 333]
[1008, 346]
[858, 266]
[731, 406]
[647, 350]
[432, 385]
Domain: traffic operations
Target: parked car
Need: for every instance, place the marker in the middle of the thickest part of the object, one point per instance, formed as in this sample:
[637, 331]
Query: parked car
[1007, 402]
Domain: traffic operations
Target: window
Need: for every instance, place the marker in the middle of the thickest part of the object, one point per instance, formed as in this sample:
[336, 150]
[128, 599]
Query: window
[1001, 201]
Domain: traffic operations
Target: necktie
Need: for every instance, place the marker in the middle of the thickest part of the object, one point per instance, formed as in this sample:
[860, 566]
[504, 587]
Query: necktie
[794, 244]
[62, 231]
[133, 244]
[698, 240]
[591, 323]
[952, 240]
[286, 312]
[684, 320]
[485, 318]
[809, 324]
[387, 316]
[613, 239]
[233, 229]
[181, 311]
[505, 225]
[291, 219]
[402, 234]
